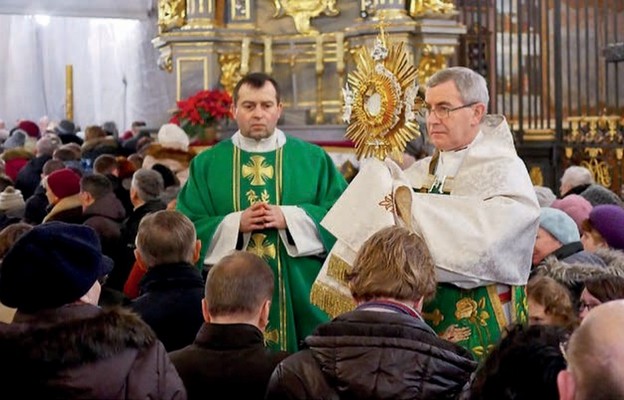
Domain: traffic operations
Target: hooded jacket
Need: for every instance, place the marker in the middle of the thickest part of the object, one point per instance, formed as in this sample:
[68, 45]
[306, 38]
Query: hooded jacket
[80, 351]
[373, 355]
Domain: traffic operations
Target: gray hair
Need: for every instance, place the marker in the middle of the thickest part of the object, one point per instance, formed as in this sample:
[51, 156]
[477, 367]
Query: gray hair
[166, 237]
[148, 184]
[47, 145]
[576, 176]
[472, 87]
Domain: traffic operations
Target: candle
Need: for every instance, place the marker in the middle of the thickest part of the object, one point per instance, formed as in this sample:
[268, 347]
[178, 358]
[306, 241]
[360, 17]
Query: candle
[245, 56]
[69, 92]
[319, 54]
[268, 67]
[339, 51]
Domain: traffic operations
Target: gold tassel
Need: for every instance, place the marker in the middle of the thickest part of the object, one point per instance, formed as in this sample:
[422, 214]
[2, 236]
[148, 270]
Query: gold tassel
[331, 300]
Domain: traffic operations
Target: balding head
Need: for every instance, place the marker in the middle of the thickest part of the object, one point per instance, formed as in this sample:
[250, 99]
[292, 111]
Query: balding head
[595, 356]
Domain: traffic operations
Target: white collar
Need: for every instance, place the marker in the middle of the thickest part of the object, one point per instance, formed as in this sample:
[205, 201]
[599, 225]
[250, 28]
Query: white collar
[273, 142]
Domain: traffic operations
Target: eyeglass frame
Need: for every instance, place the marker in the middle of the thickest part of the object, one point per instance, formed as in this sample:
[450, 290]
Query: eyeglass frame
[428, 109]
[589, 307]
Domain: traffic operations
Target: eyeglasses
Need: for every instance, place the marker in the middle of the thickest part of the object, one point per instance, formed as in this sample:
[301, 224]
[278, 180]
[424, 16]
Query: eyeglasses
[583, 306]
[444, 112]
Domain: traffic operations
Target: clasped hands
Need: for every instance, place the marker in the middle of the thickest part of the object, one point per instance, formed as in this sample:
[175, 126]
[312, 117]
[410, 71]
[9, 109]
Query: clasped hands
[262, 216]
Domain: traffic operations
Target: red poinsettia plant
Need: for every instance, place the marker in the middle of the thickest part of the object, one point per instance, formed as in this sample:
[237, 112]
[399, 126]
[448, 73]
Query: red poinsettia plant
[202, 110]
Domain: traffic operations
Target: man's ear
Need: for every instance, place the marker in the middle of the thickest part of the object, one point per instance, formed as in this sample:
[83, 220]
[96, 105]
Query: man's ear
[197, 251]
[263, 319]
[479, 111]
[139, 260]
[205, 312]
[566, 385]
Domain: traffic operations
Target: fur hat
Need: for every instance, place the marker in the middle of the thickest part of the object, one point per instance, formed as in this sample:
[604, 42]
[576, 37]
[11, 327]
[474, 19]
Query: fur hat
[17, 139]
[30, 128]
[11, 199]
[64, 183]
[598, 194]
[173, 137]
[575, 206]
[559, 224]
[608, 220]
[65, 127]
[52, 265]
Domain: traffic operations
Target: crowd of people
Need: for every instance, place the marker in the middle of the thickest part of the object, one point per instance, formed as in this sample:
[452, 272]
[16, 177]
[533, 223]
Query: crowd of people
[133, 267]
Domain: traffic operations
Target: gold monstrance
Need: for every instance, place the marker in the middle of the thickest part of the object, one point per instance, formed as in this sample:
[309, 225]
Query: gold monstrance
[380, 101]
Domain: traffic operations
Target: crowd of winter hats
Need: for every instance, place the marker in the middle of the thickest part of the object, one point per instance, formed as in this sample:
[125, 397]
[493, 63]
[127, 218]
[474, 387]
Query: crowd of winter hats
[52, 265]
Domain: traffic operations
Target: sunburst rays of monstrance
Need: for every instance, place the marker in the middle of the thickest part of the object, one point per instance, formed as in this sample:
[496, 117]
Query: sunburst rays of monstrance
[381, 101]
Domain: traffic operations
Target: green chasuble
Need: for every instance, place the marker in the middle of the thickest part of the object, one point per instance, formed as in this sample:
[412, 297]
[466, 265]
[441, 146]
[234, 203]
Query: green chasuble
[226, 179]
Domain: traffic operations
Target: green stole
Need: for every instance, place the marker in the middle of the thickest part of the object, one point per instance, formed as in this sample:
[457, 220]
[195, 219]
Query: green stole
[472, 318]
[258, 178]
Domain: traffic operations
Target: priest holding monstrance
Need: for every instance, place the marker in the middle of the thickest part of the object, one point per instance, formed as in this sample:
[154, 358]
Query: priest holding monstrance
[472, 202]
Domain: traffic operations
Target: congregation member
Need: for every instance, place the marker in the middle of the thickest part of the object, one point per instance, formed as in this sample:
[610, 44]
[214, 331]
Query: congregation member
[558, 236]
[550, 303]
[604, 228]
[383, 349]
[60, 344]
[599, 290]
[170, 150]
[145, 190]
[29, 177]
[266, 192]
[36, 207]
[595, 356]
[63, 194]
[575, 180]
[171, 290]
[103, 212]
[228, 356]
[455, 201]
[523, 366]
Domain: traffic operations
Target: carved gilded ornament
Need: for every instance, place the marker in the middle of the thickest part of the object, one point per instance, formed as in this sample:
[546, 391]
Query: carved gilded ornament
[302, 11]
[432, 60]
[171, 14]
[599, 168]
[537, 178]
[421, 8]
[230, 71]
[380, 101]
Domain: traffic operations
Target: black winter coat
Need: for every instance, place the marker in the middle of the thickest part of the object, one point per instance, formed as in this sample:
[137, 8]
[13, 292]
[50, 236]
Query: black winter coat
[170, 302]
[373, 355]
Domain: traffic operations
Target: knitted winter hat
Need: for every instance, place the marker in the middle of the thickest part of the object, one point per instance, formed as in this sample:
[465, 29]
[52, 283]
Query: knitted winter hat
[545, 195]
[17, 139]
[575, 206]
[608, 220]
[598, 194]
[559, 224]
[173, 137]
[11, 199]
[63, 183]
[31, 128]
[52, 265]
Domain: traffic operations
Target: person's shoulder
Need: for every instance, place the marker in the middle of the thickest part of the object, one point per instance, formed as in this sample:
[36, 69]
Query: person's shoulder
[309, 149]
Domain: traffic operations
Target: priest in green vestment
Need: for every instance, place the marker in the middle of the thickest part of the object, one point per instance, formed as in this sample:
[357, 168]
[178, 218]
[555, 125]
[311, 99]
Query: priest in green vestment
[266, 192]
[472, 202]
